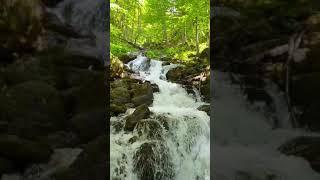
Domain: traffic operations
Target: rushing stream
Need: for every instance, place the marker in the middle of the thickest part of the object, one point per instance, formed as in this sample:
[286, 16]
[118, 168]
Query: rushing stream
[245, 143]
[181, 151]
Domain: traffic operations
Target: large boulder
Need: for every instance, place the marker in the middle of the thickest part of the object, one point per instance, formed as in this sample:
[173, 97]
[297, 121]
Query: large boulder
[90, 125]
[32, 109]
[305, 147]
[23, 71]
[23, 151]
[91, 94]
[142, 93]
[125, 58]
[90, 164]
[141, 112]
[152, 161]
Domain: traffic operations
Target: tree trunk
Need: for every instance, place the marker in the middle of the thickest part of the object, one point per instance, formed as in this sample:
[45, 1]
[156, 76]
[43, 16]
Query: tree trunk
[197, 36]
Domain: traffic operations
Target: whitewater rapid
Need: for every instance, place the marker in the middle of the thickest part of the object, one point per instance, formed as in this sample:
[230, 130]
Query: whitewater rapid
[187, 139]
[245, 144]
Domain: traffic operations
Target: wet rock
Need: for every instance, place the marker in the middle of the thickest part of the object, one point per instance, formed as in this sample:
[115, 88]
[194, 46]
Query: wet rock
[128, 57]
[143, 99]
[166, 63]
[205, 90]
[89, 125]
[93, 154]
[142, 94]
[60, 139]
[33, 109]
[152, 161]
[305, 147]
[23, 151]
[150, 129]
[117, 109]
[205, 108]
[141, 112]
[133, 139]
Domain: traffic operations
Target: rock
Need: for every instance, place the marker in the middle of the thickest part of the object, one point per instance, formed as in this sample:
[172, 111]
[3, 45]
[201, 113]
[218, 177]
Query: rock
[305, 147]
[205, 90]
[6, 166]
[91, 94]
[150, 129]
[155, 88]
[175, 74]
[141, 112]
[53, 23]
[181, 74]
[128, 57]
[23, 71]
[60, 160]
[143, 99]
[33, 109]
[90, 164]
[165, 63]
[142, 94]
[23, 151]
[60, 139]
[152, 161]
[90, 124]
[205, 108]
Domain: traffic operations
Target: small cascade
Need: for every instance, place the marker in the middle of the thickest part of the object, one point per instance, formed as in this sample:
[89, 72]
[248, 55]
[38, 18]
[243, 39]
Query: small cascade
[173, 144]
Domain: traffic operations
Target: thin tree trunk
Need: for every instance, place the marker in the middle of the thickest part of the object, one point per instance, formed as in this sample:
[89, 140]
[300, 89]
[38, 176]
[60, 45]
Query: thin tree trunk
[197, 36]
[294, 44]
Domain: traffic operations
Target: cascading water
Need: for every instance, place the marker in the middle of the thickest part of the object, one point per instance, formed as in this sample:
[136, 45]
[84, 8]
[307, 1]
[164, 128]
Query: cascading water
[88, 17]
[245, 144]
[178, 150]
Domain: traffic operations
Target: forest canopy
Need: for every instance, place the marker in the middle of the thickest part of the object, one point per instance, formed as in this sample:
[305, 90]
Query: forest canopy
[178, 29]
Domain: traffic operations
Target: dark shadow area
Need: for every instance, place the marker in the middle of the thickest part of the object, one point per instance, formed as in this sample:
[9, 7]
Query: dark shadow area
[265, 90]
[53, 89]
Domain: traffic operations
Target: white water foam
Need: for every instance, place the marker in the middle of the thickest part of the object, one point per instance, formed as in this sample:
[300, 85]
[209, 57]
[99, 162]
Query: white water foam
[245, 144]
[188, 136]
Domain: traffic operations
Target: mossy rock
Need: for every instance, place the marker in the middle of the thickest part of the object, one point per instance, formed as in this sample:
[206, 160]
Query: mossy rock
[26, 71]
[90, 164]
[152, 161]
[141, 112]
[92, 94]
[23, 151]
[32, 108]
[90, 125]
[205, 108]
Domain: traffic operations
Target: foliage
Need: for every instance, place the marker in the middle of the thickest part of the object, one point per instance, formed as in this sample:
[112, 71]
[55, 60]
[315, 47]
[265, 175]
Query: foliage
[174, 28]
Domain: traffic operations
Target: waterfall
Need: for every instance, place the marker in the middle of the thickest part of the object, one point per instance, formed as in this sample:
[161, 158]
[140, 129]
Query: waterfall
[88, 17]
[180, 151]
[245, 144]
